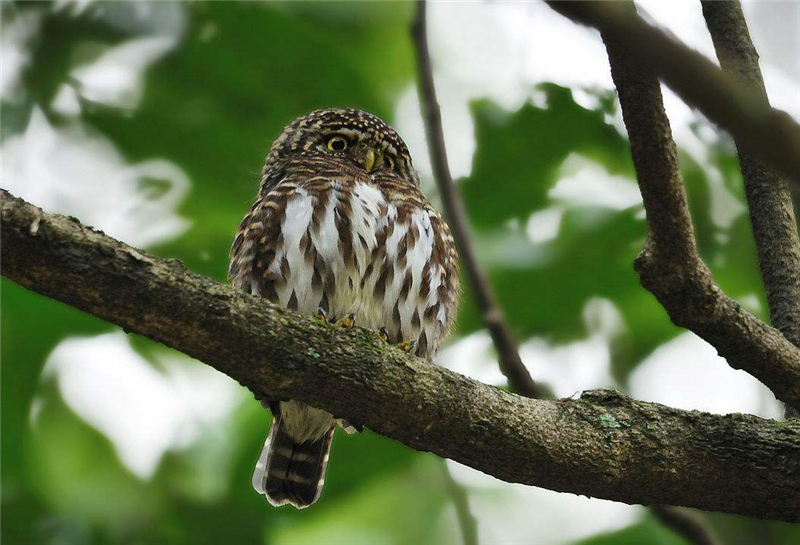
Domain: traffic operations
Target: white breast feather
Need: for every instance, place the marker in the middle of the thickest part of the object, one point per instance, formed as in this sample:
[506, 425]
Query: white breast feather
[394, 289]
[366, 202]
[417, 257]
[295, 225]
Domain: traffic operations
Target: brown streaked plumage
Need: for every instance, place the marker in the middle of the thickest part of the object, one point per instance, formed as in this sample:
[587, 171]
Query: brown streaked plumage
[341, 229]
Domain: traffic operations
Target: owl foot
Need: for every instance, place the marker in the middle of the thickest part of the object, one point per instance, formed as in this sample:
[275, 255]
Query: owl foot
[347, 322]
[407, 346]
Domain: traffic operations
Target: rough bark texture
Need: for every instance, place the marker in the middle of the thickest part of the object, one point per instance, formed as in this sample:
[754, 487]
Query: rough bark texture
[603, 444]
[769, 132]
[769, 199]
[509, 360]
[669, 266]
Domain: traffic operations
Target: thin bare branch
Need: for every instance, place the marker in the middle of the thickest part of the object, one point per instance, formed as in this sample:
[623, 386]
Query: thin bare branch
[519, 379]
[603, 445]
[770, 133]
[466, 520]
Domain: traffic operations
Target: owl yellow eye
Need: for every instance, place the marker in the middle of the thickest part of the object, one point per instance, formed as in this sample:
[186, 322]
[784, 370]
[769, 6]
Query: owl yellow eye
[337, 143]
[388, 162]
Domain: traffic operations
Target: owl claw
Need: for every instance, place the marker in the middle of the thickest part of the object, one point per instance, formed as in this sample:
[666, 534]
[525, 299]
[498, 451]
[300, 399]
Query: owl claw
[407, 346]
[347, 322]
[321, 314]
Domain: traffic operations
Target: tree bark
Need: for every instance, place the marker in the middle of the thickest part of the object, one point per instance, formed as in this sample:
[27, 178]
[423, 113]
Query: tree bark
[769, 199]
[669, 265]
[604, 444]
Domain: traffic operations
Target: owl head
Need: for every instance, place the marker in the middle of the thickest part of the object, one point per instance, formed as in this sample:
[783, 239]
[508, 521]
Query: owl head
[353, 136]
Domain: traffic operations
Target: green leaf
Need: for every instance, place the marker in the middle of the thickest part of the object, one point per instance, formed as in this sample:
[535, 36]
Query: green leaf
[519, 153]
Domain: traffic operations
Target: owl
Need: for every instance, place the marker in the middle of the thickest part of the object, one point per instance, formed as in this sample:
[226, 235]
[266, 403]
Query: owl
[341, 230]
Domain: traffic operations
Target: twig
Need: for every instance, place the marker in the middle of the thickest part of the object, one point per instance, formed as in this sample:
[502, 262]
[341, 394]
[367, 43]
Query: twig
[686, 523]
[669, 265]
[604, 444]
[770, 133]
[519, 379]
[509, 361]
[466, 520]
[769, 198]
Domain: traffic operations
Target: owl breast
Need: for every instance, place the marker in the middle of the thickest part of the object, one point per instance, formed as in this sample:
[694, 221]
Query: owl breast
[351, 249]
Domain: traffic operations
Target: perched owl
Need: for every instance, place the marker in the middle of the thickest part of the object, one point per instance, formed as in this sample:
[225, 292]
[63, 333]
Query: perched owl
[341, 230]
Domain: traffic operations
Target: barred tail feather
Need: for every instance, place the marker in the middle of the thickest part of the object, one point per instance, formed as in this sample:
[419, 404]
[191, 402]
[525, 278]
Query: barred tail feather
[291, 472]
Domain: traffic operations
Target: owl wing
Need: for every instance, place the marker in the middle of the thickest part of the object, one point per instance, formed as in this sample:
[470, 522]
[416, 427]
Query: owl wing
[444, 264]
[434, 255]
[259, 234]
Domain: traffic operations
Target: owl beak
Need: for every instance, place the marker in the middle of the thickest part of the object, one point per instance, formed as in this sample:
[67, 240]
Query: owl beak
[368, 158]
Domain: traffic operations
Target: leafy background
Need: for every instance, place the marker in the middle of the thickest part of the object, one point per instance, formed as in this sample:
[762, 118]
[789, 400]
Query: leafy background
[151, 120]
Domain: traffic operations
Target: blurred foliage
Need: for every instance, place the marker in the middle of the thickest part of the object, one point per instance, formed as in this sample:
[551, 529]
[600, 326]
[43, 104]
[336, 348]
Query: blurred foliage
[212, 106]
[648, 531]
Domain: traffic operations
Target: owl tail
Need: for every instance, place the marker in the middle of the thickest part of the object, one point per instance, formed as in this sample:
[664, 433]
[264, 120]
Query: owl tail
[291, 472]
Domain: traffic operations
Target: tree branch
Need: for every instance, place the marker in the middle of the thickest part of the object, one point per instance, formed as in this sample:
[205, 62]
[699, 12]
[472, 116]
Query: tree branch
[603, 444]
[519, 379]
[669, 265]
[770, 133]
[769, 199]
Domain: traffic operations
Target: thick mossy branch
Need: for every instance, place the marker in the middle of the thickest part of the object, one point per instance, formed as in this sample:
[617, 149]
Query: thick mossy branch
[603, 444]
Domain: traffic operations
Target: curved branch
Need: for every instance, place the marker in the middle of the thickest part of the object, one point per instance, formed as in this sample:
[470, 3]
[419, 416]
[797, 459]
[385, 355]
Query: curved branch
[603, 444]
[769, 199]
[518, 376]
[770, 133]
[669, 265]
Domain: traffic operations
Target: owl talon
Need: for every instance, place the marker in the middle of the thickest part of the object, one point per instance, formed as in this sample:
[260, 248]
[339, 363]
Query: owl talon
[407, 346]
[321, 314]
[347, 322]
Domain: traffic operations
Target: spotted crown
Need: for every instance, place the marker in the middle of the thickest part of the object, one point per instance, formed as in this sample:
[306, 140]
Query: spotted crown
[305, 136]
